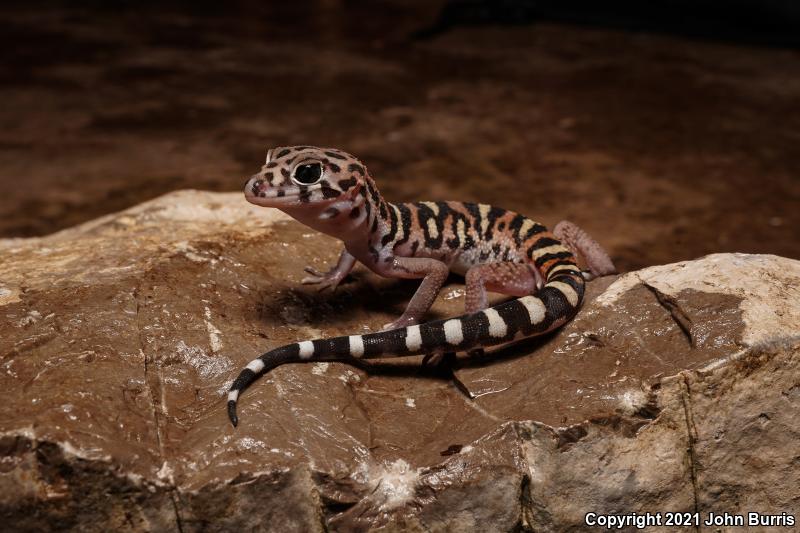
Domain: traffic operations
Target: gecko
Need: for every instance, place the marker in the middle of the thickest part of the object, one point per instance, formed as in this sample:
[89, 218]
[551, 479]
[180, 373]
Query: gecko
[494, 249]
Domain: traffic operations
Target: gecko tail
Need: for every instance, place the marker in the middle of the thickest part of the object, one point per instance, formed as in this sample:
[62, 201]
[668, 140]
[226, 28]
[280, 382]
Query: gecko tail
[528, 316]
[256, 367]
[242, 381]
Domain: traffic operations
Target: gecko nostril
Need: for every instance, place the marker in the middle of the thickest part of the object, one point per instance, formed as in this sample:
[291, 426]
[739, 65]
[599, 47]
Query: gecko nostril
[256, 186]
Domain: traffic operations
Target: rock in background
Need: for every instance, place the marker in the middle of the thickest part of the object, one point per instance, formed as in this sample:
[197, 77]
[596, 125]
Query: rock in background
[675, 389]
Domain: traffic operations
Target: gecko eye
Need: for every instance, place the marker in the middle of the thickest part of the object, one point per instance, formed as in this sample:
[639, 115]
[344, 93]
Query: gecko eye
[307, 174]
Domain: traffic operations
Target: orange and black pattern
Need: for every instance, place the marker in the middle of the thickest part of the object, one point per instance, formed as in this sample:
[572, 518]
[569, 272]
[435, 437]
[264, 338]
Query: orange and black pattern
[454, 232]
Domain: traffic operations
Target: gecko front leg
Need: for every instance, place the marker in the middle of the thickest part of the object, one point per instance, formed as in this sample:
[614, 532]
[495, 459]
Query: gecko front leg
[334, 276]
[433, 272]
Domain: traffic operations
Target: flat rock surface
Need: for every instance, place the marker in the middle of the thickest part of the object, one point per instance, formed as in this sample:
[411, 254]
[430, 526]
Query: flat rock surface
[120, 337]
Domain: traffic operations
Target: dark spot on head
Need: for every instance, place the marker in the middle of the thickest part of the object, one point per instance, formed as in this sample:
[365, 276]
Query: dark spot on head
[285, 173]
[355, 212]
[281, 193]
[272, 164]
[334, 167]
[336, 156]
[327, 192]
[283, 153]
[353, 167]
[501, 225]
[346, 184]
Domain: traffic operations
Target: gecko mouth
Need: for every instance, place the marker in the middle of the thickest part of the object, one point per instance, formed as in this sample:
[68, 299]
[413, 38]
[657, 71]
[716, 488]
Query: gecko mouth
[255, 193]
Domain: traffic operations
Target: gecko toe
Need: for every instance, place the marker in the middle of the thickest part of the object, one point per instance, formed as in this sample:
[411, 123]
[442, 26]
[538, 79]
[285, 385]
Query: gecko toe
[402, 322]
[314, 272]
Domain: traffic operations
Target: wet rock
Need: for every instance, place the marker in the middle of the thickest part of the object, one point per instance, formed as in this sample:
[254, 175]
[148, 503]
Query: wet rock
[676, 388]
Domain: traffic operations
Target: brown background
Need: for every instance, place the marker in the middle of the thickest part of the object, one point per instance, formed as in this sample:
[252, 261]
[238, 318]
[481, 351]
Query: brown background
[664, 147]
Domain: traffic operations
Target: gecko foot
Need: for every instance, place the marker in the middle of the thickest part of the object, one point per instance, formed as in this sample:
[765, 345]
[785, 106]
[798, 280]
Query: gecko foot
[432, 360]
[402, 322]
[443, 364]
[329, 280]
[477, 353]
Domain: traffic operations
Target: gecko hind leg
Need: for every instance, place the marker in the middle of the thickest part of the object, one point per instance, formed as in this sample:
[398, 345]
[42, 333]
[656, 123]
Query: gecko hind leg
[512, 279]
[581, 243]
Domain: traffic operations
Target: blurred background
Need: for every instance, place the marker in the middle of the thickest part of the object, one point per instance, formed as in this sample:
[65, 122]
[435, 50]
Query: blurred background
[668, 129]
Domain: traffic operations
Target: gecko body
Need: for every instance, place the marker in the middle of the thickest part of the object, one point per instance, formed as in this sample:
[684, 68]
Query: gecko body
[495, 249]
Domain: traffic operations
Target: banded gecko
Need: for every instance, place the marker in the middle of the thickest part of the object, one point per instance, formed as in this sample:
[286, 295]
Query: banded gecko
[495, 249]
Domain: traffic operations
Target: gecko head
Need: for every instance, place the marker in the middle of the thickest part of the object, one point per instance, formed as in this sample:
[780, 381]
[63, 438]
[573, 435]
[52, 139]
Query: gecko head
[299, 177]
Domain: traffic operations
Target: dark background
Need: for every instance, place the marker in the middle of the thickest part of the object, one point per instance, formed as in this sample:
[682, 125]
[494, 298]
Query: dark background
[668, 129]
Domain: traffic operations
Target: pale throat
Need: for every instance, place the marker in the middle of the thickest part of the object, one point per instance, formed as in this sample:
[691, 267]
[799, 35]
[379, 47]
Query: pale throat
[341, 226]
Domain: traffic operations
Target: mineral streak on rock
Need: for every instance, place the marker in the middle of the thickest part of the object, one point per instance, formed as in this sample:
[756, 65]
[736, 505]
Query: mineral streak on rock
[676, 387]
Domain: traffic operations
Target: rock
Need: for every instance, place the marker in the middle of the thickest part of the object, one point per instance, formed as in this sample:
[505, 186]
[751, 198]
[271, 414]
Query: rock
[675, 389]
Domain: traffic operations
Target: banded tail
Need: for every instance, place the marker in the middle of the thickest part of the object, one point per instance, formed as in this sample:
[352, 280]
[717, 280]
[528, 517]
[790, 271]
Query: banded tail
[527, 316]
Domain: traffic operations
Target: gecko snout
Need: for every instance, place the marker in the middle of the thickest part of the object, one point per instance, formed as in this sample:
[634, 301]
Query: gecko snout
[254, 186]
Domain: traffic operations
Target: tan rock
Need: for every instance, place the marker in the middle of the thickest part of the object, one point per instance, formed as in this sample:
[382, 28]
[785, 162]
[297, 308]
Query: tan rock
[677, 389]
